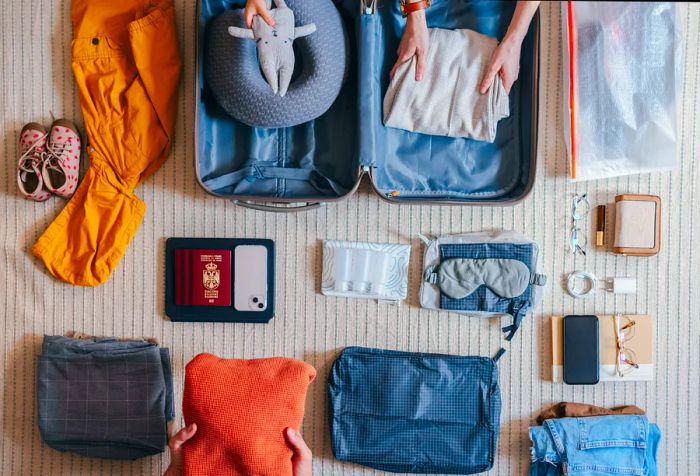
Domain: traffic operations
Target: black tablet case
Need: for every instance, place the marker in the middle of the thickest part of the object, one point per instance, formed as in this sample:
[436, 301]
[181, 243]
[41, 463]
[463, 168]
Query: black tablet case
[217, 313]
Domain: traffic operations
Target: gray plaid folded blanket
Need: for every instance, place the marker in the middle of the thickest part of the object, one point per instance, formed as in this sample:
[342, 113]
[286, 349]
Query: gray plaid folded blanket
[103, 397]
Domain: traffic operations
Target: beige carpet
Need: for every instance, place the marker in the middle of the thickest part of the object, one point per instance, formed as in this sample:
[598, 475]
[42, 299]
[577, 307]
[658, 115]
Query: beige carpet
[36, 78]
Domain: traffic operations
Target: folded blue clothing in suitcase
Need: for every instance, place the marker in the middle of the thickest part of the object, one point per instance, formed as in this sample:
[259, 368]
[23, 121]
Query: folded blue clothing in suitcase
[324, 160]
[414, 412]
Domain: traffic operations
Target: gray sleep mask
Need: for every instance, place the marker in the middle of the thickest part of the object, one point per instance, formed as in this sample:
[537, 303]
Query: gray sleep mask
[457, 278]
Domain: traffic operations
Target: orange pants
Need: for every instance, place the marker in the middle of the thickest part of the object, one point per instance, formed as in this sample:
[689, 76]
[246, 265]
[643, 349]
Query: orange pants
[126, 62]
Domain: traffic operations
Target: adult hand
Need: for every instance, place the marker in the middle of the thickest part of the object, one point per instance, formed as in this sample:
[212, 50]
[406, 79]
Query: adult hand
[505, 61]
[175, 445]
[302, 458]
[257, 7]
[506, 57]
[414, 42]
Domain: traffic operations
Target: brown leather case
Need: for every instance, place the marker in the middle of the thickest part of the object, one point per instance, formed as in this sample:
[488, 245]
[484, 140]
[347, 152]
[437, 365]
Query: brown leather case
[629, 251]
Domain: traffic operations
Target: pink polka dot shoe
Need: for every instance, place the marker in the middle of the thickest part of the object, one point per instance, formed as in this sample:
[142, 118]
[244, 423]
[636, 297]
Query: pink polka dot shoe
[62, 163]
[32, 147]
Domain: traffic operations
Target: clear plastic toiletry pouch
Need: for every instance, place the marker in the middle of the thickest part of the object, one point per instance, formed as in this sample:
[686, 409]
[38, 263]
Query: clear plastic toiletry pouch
[365, 270]
[622, 73]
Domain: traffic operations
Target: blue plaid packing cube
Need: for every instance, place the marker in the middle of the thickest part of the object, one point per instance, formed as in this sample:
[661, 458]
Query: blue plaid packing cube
[414, 412]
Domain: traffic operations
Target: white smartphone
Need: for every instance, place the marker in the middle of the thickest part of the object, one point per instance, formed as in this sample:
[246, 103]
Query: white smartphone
[250, 278]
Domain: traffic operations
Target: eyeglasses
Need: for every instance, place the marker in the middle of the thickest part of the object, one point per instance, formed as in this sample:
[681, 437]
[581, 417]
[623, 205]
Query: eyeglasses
[579, 210]
[626, 358]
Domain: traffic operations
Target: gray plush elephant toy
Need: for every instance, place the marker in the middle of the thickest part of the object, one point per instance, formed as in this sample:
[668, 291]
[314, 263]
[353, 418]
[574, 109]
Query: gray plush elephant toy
[275, 51]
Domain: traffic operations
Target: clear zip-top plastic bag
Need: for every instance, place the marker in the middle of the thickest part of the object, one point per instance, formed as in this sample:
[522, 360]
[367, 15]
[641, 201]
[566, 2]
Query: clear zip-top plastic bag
[622, 74]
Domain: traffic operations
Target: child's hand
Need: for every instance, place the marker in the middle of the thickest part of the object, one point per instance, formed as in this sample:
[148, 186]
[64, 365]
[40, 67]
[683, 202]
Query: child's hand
[257, 7]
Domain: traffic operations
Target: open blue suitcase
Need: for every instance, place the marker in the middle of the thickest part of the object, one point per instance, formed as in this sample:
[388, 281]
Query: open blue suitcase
[324, 160]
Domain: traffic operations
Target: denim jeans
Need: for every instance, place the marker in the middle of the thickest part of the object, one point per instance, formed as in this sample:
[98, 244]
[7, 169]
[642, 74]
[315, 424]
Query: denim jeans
[595, 446]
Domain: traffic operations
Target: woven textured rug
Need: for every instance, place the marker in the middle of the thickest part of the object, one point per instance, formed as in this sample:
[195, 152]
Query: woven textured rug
[35, 78]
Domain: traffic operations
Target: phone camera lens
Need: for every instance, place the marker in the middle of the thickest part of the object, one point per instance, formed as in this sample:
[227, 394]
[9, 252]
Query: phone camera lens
[261, 305]
[255, 299]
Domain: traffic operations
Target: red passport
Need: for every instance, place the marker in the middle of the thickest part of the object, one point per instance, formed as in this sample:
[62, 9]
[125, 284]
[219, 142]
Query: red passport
[202, 277]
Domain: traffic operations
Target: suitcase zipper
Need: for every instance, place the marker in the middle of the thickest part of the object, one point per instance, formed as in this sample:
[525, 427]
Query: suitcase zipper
[282, 151]
[389, 195]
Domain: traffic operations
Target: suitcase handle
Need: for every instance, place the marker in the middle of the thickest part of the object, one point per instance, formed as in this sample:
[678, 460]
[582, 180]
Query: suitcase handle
[277, 208]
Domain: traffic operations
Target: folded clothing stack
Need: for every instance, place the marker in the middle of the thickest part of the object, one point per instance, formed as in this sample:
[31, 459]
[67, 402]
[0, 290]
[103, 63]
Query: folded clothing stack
[103, 397]
[569, 409]
[242, 408]
[595, 445]
[447, 101]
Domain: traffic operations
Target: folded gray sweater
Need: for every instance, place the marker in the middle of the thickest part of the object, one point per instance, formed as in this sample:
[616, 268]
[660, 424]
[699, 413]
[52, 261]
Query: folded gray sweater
[447, 101]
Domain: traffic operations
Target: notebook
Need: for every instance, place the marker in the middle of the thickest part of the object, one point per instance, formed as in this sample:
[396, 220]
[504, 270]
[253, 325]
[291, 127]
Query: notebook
[201, 284]
[642, 343]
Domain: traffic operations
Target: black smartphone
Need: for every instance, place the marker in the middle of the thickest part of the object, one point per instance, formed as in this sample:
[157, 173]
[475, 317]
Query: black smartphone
[581, 362]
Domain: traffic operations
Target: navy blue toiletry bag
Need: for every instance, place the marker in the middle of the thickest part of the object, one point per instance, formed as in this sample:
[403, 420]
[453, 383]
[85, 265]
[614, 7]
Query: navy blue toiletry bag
[414, 412]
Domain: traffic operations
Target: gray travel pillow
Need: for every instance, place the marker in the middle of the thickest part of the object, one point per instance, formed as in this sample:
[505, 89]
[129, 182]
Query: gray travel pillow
[233, 72]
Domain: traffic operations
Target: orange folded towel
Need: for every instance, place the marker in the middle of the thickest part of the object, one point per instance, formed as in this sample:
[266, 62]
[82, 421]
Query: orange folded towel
[241, 408]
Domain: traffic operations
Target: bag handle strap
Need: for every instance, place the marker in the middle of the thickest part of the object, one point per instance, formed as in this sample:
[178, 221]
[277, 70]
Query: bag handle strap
[499, 354]
[277, 208]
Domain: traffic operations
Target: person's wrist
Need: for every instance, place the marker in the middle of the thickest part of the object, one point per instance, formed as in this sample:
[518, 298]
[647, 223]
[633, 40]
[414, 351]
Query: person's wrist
[512, 41]
[515, 37]
[419, 11]
[418, 15]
